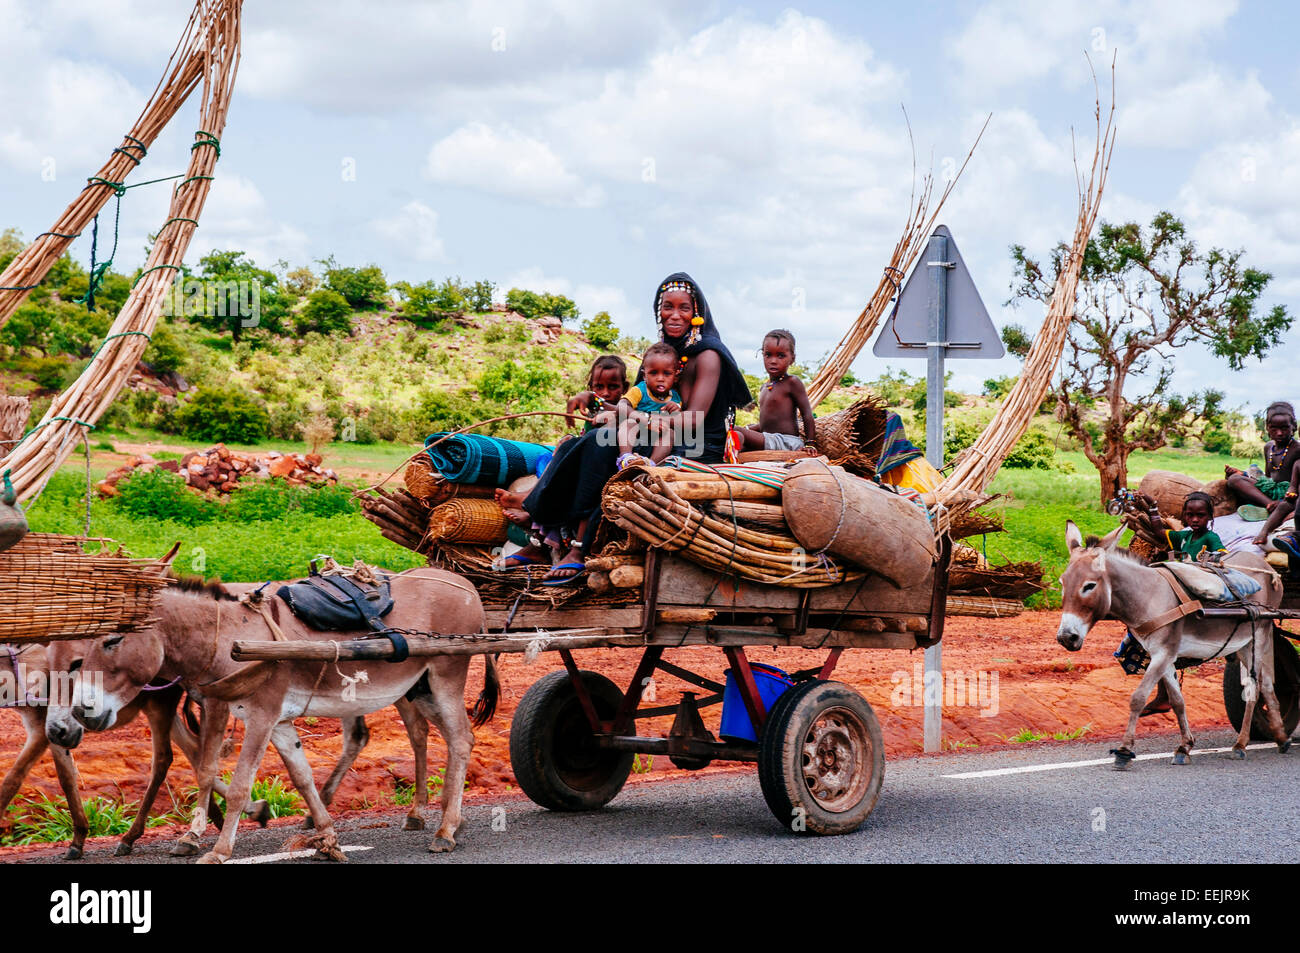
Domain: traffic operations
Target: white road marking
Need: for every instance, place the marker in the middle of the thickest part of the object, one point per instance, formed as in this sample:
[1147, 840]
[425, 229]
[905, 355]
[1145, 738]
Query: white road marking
[288, 855]
[1030, 768]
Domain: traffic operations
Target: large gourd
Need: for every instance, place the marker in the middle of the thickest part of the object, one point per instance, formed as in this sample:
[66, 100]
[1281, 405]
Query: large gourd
[829, 510]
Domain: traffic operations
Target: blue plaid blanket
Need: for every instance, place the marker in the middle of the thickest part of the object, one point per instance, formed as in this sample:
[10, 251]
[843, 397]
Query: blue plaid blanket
[474, 458]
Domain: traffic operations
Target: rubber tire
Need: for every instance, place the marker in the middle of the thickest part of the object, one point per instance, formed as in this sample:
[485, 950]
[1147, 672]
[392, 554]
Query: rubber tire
[780, 764]
[573, 775]
[1286, 685]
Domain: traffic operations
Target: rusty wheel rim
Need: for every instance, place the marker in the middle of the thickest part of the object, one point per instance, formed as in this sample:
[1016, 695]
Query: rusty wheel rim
[836, 759]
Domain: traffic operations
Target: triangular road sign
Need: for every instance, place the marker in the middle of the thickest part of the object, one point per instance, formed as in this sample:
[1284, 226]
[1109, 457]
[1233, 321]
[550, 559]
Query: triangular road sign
[971, 333]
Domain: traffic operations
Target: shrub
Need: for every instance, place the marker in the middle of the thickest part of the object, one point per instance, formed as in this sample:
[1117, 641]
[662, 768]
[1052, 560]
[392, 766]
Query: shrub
[326, 312]
[600, 330]
[997, 388]
[160, 495]
[165, 352]
[1248, 450]
[437, 410]
[478, 296]
[361, 287]
[1034, 451]
[229, 415]
[533, 304]
[428, 304]
[520, 386]
[1216, 440]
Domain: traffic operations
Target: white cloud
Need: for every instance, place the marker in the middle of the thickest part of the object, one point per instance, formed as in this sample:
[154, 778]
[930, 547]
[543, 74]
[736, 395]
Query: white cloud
[413, 231]
[506, 162]
[236, 216]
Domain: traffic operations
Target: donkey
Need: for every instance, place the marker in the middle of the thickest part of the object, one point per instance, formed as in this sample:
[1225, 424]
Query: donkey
[1101, 581]
[158, 704]
[192, 642]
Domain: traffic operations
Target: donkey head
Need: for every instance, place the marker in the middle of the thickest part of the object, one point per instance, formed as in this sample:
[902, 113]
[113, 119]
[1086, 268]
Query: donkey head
[1085, 585]
[114, 670]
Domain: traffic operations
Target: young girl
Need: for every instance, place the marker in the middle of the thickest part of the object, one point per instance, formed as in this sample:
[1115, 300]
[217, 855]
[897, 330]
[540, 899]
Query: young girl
[644, 409]
[606, 384]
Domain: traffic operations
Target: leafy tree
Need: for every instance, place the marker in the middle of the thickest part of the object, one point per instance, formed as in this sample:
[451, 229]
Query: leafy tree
[364, 288]
[478, 296]
[326, 312]
[534, 304]
[165, 351]
[600, 330]
[1144, 291]
[519, 386]
[997, 388]
[236, 295]
[301, 281]
[429, 303]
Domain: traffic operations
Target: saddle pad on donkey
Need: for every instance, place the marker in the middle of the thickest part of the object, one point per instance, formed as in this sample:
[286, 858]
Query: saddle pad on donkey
[337, 604]
[1232, 586]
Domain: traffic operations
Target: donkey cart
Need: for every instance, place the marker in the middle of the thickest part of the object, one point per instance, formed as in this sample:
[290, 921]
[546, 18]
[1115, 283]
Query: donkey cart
[818, 745]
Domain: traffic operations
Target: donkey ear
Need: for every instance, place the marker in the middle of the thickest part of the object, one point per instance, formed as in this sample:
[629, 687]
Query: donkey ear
[1108, 541]
[1073, 538]
[171, 554]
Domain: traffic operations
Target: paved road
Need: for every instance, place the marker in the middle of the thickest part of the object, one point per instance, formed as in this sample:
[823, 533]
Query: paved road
[1152, 813]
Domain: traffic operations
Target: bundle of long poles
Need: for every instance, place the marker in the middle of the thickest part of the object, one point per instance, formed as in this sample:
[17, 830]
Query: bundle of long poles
[184, 70]
[78, 408]
[920, 222]
[981, 461]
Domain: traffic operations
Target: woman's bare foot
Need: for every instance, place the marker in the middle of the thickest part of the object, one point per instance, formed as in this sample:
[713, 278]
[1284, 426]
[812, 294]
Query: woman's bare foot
[518, 517]
[507, 500]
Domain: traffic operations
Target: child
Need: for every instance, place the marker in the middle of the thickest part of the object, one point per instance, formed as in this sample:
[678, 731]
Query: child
[1198, 510]
[778, 401]
[647, 405]
[1281, 454]
[606, 384]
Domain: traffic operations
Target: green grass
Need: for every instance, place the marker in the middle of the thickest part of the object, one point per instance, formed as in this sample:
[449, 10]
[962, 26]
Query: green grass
[251, 550]
[1072, 735]
[43, 820]
[1025, 736]
[404, 794]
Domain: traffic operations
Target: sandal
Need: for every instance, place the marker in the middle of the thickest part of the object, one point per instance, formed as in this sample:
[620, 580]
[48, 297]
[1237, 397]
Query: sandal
[580, 571]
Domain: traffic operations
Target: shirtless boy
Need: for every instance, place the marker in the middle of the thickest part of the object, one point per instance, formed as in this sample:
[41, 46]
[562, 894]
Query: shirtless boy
[1281, 454]
[779, 400]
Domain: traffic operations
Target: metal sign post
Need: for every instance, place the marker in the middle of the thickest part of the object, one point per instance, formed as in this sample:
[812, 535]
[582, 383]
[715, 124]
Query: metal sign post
[939, 311]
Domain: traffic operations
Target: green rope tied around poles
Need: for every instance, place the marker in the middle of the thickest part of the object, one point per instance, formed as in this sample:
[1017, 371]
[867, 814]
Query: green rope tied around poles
[207, 139]
[154, 268]
[18, 287]
[133, 144]
[57, 235]
[191, 179]
[117, 187]
[120, 334]
[178, 218]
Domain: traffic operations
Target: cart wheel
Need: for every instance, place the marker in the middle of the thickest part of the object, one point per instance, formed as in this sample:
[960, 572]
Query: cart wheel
[552, 751]
[1286, 685]
[821, 760]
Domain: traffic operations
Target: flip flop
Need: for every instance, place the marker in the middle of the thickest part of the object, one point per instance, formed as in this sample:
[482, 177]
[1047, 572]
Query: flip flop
[581, 571]
[1251, 513]
[1288, 544]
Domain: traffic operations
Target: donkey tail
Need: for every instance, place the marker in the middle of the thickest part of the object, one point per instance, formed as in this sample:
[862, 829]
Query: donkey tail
[485, 706]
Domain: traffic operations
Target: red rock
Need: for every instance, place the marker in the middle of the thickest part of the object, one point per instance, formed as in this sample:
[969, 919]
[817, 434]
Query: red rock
[106, 489]
[228, 486]
[283, 466]
[315, 459]
[171, 465]
[198, 481]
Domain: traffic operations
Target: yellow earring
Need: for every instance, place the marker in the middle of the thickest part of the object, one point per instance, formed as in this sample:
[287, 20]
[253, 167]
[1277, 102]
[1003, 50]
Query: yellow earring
[697, 320]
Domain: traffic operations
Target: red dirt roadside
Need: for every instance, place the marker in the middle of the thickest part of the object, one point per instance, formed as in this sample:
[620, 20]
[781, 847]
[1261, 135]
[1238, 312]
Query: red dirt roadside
[1039, 686]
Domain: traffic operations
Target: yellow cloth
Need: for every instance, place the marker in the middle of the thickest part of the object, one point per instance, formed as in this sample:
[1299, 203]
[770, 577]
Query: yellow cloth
[918, 474]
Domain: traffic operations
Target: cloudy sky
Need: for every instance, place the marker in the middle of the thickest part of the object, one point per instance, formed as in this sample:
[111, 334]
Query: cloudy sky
[592, 147]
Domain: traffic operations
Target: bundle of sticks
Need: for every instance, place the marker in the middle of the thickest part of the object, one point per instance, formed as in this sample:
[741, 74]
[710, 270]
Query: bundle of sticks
[663, 508]
[400, 516]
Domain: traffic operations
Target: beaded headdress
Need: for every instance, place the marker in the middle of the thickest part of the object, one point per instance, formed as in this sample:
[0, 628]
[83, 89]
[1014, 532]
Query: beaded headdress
[693, 336]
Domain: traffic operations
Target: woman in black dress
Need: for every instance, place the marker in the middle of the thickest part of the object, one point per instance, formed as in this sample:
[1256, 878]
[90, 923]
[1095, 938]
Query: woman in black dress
[711, 386]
